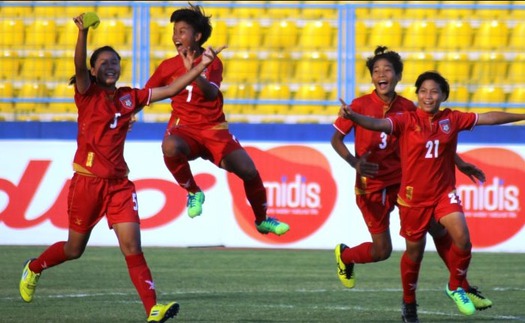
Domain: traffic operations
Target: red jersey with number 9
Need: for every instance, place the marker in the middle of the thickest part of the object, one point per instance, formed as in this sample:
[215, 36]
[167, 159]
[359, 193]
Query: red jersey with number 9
[428, 145]
[190, 107]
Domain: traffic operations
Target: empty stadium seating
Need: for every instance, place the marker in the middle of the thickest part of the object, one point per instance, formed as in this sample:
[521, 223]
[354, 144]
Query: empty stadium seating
[487, 94]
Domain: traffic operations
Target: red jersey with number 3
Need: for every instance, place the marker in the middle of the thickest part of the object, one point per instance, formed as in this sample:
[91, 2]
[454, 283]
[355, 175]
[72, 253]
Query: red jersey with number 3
[103, 123]
[428, 146]
[384, 148]
[190, 107]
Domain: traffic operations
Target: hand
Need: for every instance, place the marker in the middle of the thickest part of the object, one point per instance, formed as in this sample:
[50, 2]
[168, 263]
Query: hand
[209, 54]
[364, 168]
[188, 56]
[345, 111]
[132, 121]
[472, 172]
[79, 21]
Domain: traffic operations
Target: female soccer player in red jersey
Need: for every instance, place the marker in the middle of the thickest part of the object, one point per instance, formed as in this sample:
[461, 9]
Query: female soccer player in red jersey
[100, 186]
[428, 140]
[198, 127]
[379, 172]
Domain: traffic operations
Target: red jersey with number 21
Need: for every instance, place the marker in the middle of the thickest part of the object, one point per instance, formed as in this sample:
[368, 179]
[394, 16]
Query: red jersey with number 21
[428, 146]
[189, 106]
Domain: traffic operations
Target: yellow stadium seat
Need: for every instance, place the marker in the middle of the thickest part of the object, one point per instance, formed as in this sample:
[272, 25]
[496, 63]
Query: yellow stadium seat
[455, 67]
[420, 35]
[310, 12]
[243, 66]
[214, 12]
[308, 92]
[484, 10]
[36, 66]
[281, 34]
[41, 34]
[219, 36]
[316, 35]
[64, 69]
[517, 36]
[164, 37]
[67, 36]
[288, 10]
[112, 33]
[12, 33]
[240, 91]
[491, 35]
[379, 12]
[30, 90]
[50, 11]
[455, 35]
[313, 67]
[277, 67]
[277, 92]
[487, 94]
[61, 110]
[415, 64]
[248, 9]
[516, 69]
[105, 11]
[72, 11]
[361, 35]
[9, 64]
[246, 34]
[517, 96]
[459, 97]
[409, 92]
[419, 13]
[490, 68]
[6, 91]
[16, 11]
[385, 33]
[517, 14]
[456, 10]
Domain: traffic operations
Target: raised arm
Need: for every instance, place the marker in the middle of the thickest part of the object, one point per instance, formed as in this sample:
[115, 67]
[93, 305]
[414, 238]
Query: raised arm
[164, 92]
[82, 79]
[374, 124]
[498, 117]
[209, 90]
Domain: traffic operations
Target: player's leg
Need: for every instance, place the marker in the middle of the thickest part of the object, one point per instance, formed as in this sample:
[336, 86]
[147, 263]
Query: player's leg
[176, 149]
[240, 163]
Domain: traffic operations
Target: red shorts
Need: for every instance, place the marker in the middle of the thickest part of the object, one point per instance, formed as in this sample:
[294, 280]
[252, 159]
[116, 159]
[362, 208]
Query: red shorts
[376, 208]
[211, 144]
[415, 221]
[90, 198]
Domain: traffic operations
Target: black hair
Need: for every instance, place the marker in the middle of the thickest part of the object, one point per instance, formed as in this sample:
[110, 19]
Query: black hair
[436, 77]
[195, 17]
[93, 59]
[382, 52]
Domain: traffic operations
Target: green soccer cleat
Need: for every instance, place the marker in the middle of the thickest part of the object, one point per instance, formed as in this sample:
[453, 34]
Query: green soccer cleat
[409, 313]
[194, 204]
[461, 299]
[272, 225]
[161, 313]
[344, 271]
[28, 282]
[480, 302]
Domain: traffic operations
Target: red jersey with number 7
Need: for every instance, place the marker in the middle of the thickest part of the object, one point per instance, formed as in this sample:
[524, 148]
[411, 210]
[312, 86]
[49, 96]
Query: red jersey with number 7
[189, 106]
[384, 148]
[428, 145]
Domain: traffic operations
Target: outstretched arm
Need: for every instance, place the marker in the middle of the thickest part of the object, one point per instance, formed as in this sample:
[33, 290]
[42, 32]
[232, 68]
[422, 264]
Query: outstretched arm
[82, 79]
[498, 117]
[209, 90]
[469, 169]
[375, 124]
[164, 92]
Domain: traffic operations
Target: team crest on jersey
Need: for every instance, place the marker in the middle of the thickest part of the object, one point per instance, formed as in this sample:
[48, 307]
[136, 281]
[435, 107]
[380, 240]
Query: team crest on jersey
[445, 125]
[126, 101]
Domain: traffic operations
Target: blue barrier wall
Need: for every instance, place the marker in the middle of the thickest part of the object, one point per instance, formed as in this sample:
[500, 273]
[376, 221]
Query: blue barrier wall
[243, 131]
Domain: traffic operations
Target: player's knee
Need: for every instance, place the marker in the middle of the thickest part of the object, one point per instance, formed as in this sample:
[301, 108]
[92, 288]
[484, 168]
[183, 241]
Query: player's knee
[382, 253]
[74, 253]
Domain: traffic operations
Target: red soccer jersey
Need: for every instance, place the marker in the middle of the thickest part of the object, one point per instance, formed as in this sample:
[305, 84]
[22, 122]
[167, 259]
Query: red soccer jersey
[189, 106]
[384, 148]
[428, 146]
[103, 122]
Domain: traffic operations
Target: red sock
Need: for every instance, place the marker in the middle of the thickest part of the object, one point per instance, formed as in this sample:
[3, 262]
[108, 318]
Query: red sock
[361, 254]
[459, 261]
[409, 277]
[52, 256]
[181, 171]
[141, 277]
[256, 195]
[443, 245]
